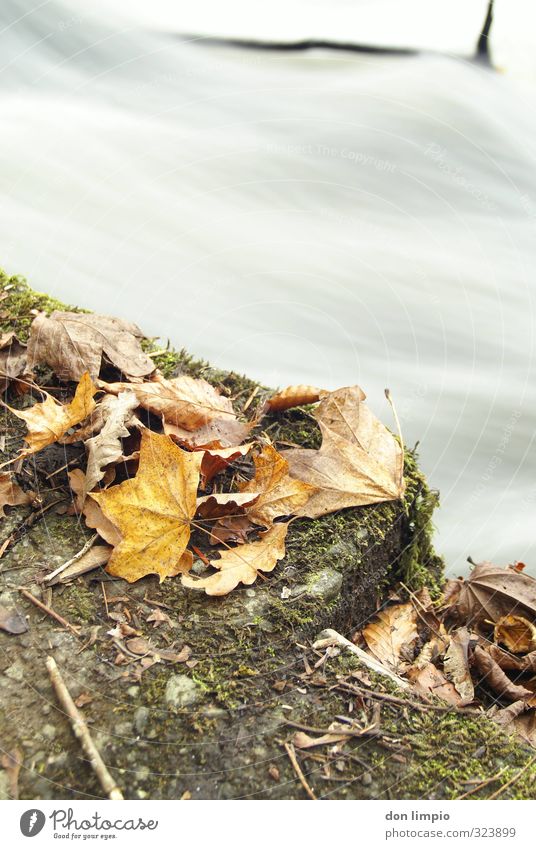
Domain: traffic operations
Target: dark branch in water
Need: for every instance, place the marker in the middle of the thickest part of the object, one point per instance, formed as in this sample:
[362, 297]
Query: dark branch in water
[301, 46]
[482, 47]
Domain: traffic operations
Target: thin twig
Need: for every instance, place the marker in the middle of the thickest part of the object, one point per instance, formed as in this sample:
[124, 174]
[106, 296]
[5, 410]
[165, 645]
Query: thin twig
[481, 785]
[289, 749]
[72, 560]
[512, 780]
[81, 732]
[27, 594]
[386, 697]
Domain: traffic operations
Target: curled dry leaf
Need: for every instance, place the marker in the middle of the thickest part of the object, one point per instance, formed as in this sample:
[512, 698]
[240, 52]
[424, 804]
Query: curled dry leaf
[49, 420]
[11, 495]
[499, 682]
[433, 649]
[231, 529]
[13, 361]
[456, 664]
[428, 681]
[293, 396]
[241, 565]
[153, 511]
[74, 343]
[280, 495]
[359, 462]
[491, 592]
[106, 448]
[98, 555]
[221, 504]
[215, 460]
[186, 402]
[391, 631]
[516, 633]
[92, 512]
[222, 432]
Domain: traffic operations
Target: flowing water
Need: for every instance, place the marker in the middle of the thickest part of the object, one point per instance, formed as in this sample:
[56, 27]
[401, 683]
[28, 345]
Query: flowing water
[317, 217]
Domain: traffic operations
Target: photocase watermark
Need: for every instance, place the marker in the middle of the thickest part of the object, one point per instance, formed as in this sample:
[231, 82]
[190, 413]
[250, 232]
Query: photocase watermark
[32, 822]
[496, 459]
[438, 155]
[357, 157]
[66, 826]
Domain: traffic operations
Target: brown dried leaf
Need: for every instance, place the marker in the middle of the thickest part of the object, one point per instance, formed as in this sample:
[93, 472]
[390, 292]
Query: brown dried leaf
[98, 555]
[106, 448]
[48, 421]
[293, 396]
[153, 511]
[392, 630]
[492, 673]
[13, 362]
[430, 681]
[186, 402]
[74, 343]
[12, 762]
[215, 460]
[231, 529]
[491, 592]
[92, 512]
[242, 564]
[359, 462]
[456, 664]
[221, 504]
[11, 495]
[516, 633]
[219, 433]
[280, 495]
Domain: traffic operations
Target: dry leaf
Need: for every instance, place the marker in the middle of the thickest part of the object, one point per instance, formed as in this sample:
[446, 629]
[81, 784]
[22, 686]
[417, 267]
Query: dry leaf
[48, 421]
[430, 681]
[215, 460]
[12, 621]
[280, 495]
[231, 529]
[433, 649]
[98, 555]
[158, 617]
[11, 762]
[392, 630]
[74, 343]
[293, 396]
[11, 495]
[241, 565]
[491, 592]
[13, 362]
[186, 402]
[221, 504]
[153, 511]
[92, 512]
[106, 448]
[516, 633]
[219, 433]
[492, 673]
[456, 664]
[359, 461]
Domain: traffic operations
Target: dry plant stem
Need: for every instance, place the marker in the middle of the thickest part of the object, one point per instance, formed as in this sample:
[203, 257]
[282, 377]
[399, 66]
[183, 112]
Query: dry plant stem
[385, 697]
[48, 610]
[397, 421]
[81, 732]
[508, 784]
[289, 749]
[73, 559]
[334, 638]
[481, 785]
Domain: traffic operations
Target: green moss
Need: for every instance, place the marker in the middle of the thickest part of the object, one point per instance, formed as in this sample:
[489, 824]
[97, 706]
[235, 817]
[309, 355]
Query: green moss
[77, 603]
[21, 302]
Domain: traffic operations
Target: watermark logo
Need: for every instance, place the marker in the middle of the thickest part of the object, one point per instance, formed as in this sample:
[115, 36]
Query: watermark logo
[31, 822]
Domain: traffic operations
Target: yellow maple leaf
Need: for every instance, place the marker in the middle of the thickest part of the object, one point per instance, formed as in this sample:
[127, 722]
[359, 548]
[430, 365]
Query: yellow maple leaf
[153, 511]
[241, 565]
[49, 421]
[278, 493]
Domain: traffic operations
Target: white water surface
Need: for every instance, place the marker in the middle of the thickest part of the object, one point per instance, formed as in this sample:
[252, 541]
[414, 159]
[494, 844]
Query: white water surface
[318, 217]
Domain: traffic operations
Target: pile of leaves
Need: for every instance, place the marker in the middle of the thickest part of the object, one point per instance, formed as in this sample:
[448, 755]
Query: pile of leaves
[475, 646]
[164, 458]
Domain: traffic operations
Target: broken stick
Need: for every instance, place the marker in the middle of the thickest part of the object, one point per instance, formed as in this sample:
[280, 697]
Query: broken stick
[81, 732]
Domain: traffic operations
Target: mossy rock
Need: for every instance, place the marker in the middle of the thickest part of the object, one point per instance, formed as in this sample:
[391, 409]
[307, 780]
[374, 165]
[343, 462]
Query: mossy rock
[214, 728]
